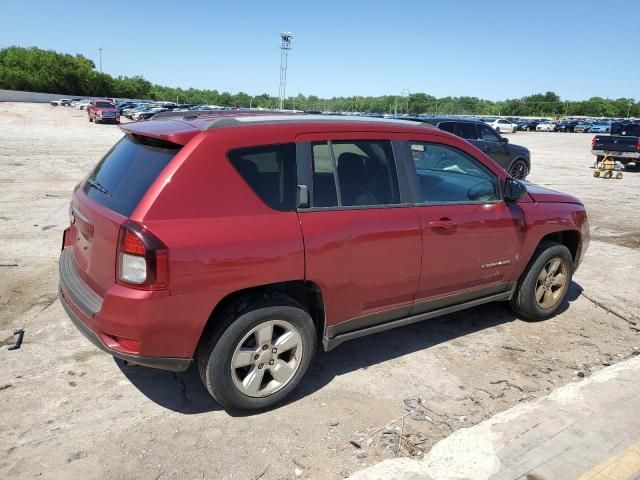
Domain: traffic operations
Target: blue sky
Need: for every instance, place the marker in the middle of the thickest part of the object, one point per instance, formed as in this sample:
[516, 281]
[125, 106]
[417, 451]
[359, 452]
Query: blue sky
[490, 49]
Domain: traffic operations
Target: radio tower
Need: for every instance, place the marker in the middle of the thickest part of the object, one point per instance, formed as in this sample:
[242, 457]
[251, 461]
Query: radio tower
[285, 46]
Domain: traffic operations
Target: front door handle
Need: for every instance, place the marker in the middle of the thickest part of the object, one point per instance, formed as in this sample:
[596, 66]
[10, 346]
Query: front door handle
[443, 224]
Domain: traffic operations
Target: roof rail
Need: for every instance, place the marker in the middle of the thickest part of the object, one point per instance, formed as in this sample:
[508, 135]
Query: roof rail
[193, 114]
[234, 121]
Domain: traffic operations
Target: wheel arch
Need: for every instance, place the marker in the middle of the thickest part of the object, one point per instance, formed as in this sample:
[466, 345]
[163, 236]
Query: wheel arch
[569, 238]
[308, 294]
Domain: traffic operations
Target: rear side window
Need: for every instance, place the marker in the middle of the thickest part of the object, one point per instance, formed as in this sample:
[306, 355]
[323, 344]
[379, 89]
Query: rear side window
[354, 173]
[127, 171]
[270, 171]
[466, 130]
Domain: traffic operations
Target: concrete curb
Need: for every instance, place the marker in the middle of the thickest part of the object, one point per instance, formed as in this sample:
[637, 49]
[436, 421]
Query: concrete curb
[533, 437]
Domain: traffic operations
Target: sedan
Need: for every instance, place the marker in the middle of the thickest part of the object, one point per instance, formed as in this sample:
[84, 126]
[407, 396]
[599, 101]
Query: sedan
[545, 127]
[600, 127]
[582, 127]
[528, 125]
[501, 125]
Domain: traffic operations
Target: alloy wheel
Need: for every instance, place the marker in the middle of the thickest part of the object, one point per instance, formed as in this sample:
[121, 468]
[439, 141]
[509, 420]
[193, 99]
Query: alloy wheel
[519, 170]
[551, 283]
[267, 358]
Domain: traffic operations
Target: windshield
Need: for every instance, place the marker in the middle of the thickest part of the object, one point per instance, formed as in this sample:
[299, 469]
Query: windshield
[104, 105]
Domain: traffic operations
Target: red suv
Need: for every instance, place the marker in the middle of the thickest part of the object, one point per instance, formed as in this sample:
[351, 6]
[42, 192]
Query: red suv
[244, 242]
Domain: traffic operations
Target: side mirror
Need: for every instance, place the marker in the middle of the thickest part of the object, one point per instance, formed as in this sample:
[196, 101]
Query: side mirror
[514, 190]
[505, 140]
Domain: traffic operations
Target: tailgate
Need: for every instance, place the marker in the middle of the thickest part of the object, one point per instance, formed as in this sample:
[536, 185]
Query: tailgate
[93, 239]
[614, 143]
[107, 197]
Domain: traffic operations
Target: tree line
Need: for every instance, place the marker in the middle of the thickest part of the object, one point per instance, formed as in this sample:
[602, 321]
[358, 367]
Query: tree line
[36, 70]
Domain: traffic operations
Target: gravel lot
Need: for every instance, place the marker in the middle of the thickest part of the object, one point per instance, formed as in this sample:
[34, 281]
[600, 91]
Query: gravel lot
[70, 411]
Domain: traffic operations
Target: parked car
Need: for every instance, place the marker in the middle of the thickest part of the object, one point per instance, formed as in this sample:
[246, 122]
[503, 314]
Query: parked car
[63, 102]
[528, 125]
[617, 127]
[600, 127]
[513, 158]
[501, 125]
[126, 105]
[100, 111]
[160, 269]
[582, 127]
[566, 126]
[148, 113]
[545, 127]
[129, 112]
[81, 105]
[624, 148]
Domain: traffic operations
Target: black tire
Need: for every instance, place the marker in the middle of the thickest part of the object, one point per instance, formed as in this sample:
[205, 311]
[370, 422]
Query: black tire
[498, 129]
[524, 303]
[519, 169]
[216, 351]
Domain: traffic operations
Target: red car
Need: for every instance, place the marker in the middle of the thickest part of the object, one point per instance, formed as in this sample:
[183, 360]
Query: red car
[102, 111]
[244, 242]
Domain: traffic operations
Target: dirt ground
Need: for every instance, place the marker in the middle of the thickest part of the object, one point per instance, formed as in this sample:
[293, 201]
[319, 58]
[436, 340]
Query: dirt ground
[71, 411]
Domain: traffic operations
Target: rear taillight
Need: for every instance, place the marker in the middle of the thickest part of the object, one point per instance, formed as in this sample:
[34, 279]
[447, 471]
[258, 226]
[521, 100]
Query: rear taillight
[142, 259]
[638, 145]
[593, 143]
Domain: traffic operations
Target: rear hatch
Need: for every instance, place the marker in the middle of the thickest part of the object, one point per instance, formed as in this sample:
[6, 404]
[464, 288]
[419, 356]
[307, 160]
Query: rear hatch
[107, 197]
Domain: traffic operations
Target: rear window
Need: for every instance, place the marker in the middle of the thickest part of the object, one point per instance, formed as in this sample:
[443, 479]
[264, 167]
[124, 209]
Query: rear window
[270, 171]
[631, 130]
[127, 171]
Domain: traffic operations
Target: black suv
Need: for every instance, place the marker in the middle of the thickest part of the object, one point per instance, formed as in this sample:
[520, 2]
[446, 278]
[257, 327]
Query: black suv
[513, 158]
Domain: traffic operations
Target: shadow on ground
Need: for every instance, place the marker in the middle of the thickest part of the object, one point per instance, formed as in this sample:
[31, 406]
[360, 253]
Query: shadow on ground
[184, 392]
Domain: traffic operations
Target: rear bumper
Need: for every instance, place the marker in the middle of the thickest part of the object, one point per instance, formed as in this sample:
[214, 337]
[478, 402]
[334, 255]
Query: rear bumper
[616, 154]
[173, 364]
[85, 309]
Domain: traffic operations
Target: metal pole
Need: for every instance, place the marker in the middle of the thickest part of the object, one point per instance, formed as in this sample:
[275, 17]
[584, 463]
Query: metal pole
[100, 50]
[285, 46]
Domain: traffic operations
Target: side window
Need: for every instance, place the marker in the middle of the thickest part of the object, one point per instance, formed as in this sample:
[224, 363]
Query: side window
[270, 171]
[447, 126]
[487, 134]
[448, 175]
[466, 130]
[364, 171]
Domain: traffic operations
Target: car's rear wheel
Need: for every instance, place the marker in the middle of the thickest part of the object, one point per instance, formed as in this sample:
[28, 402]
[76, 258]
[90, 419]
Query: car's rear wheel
[519, 170]
[543, 286]
[259, 354]
[498, 129]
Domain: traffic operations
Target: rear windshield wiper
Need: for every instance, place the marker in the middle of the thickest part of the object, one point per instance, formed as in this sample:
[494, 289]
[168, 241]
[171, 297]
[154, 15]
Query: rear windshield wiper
[98, 186]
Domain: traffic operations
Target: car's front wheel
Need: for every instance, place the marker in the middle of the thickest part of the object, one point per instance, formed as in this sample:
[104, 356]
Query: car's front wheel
[544, 285]
[519, 170]
[260, 353]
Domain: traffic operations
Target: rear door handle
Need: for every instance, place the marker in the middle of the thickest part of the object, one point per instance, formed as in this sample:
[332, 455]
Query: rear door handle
[443, 224]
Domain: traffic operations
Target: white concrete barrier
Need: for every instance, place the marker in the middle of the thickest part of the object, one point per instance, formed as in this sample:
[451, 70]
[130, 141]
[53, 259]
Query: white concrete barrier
[32, 97]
